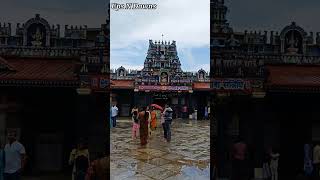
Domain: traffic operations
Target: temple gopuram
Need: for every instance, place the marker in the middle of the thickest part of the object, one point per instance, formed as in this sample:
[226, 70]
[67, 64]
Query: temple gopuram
[54, 89]
[160, 81]
[266, 88]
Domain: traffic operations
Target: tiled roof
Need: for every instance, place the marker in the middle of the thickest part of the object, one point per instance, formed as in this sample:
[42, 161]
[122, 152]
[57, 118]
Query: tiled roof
[122, 84]
[39, 69]
[293, 76]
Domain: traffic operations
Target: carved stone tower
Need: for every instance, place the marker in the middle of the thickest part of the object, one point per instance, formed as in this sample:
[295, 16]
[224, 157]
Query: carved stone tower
[218, 15]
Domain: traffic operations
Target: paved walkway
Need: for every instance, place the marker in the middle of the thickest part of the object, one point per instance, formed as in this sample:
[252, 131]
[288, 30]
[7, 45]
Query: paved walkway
[187, 156]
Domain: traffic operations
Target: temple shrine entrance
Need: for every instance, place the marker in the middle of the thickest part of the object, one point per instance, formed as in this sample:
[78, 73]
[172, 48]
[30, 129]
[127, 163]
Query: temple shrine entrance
[296, 115]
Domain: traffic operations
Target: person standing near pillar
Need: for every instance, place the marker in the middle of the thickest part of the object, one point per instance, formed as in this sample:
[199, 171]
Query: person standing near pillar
[79, 159]
[206, 115]
[308, 167]
[2, 161]
[114, 114]
[185, 112]
[239, 161]
[167, 121]
[143, 117]
[274, 164]
[316, 160]
[163, 125]
[14, 157]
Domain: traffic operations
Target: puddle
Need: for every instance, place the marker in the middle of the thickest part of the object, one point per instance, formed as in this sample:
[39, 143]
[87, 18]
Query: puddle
[185, 157]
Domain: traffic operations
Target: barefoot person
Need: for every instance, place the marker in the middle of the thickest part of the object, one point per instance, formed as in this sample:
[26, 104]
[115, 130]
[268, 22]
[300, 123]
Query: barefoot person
[149, 122]
[143, 119]
[135, 124]
[79, 157]
[153, 119]
[167, 121]
[163, 125]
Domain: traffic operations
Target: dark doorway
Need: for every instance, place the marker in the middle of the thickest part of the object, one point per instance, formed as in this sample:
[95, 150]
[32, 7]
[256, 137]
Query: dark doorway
[294, 112]
[161, 99]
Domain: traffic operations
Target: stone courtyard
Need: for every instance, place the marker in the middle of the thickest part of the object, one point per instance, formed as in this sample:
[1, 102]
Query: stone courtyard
[187, 156]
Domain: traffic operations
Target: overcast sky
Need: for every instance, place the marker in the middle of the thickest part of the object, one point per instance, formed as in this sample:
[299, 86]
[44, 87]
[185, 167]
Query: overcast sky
[74, 12]
[185, 21]
[273, 14]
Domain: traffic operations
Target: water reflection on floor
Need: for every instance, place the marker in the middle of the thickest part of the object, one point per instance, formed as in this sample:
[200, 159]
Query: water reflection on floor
[185, 157]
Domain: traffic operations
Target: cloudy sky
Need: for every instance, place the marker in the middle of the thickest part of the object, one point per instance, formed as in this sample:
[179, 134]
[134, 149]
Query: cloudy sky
[273, 14]
[185, 21]
[74, 12]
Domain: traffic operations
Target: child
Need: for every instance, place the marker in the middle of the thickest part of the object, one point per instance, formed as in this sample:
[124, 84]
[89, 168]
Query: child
[135, 124]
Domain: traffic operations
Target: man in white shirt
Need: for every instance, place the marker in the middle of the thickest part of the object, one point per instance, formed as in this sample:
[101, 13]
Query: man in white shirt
[15, 157]
[114, 114]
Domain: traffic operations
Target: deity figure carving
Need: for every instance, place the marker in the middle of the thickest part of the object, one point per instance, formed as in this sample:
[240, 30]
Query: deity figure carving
[201, 76]
[37, 38]
[121, 73]
[293, 44]
[164, 77]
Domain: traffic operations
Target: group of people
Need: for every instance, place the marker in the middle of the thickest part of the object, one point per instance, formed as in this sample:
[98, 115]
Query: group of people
[144, 122]
[240, 162]
[83, 168]
[312, 160]
[12, 158]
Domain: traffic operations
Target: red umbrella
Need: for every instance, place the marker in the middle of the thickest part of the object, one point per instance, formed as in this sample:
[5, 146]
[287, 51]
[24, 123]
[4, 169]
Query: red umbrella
[157, 106]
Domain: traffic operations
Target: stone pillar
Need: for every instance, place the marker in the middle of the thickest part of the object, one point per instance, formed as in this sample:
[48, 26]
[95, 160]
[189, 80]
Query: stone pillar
[223, 116]
[83, 115]
[99, 139]
[3, 117]
[135, 98]
[190, 110]
[179, 106]
[258, 129]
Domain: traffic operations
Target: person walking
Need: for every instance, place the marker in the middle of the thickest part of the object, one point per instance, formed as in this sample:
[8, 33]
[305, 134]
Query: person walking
[163, 125]
[206, 115]
[79, 158]
[308, 167]
[167, 121]
[14, 157]
[149, 122]
[143, 117]
[135, 124]
[185, 112]
[2, 161]
[266, 172]
[316, 160]
[114, 114]
[274, 164]
[239, 160]
[153, 119]
[110, 117]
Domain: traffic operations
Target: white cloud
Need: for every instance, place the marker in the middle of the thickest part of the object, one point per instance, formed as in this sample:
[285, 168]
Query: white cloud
[185, 21]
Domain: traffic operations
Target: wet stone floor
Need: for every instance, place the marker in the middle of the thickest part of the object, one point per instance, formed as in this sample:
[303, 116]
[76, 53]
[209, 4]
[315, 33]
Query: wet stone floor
[187, 156]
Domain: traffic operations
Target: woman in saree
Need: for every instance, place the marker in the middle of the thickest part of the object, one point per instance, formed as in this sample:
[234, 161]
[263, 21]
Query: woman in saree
[153, 119]
[143, 119]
